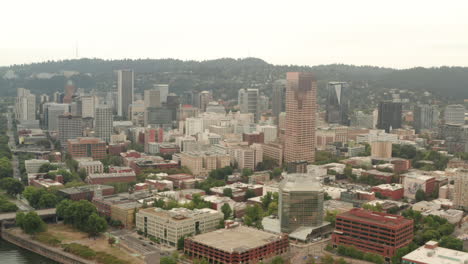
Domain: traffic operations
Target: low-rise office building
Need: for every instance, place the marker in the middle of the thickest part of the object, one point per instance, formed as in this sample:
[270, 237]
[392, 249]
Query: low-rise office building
[373, 232]
[170, 225]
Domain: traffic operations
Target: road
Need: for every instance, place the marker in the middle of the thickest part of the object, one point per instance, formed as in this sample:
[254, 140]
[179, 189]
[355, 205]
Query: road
[12, 145]
[142, 246]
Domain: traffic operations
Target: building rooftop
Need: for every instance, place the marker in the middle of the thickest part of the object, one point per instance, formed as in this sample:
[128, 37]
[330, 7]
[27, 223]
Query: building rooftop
[178, 214]
[391, 187]
[300, 182]
[86, 188]
[111, 175]
[237, 239]
[431, 253]
[366, 216]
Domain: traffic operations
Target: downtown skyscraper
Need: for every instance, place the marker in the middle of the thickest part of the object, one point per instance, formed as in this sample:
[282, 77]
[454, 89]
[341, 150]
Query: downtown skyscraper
[338, 96]
[103, 122]
[248, 102]
[389, 116]
[278, 98]
[301, 106]
[125, 91]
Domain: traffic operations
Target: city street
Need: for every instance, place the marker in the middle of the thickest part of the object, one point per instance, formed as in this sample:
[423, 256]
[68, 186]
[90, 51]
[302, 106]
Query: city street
[143, 247]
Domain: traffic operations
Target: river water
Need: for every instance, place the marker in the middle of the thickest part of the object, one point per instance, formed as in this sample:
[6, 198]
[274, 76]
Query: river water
[12, 254]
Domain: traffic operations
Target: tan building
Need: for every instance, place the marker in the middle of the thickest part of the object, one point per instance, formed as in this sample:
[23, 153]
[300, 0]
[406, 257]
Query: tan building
[91, 166]
[460, 189]
[201, 163]
[273, 151]
[301, 107]
[381, 149]
[170, 225]
[125, 213]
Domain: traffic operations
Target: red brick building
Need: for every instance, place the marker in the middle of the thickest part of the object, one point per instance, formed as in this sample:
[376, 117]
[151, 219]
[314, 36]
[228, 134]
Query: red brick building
[401, 165]
[85, 192]
[379, 175]
[255, 137]
[238, 244]
[178, 179]
[392, 191]
[374, 232]
[87, 147]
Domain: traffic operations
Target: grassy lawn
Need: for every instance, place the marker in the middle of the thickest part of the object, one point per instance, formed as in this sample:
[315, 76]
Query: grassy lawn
[67, 234]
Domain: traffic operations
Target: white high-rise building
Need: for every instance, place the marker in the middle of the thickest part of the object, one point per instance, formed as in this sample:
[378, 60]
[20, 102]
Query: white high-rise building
[455, 114]
[163, 91]
[103, 122]
[193, 126]
[248, 102]
[125, 91]
[88, 105]
[25, 108]
[52, 112]
[460, 190]
[270, 132]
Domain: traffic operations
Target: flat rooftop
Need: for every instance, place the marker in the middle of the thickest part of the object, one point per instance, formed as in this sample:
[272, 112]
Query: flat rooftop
[437, 255]
[236, 239]
[366, 216]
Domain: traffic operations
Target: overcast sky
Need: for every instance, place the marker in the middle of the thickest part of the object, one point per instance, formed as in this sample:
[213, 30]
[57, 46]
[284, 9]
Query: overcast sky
[393, 33]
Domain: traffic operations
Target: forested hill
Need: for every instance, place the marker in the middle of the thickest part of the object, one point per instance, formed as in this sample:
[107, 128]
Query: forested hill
[226, 76]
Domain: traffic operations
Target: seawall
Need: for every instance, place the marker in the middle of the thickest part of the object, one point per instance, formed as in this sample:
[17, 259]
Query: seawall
[52, 253]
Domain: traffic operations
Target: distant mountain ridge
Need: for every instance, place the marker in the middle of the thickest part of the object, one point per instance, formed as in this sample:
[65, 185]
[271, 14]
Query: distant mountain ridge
[226, 75]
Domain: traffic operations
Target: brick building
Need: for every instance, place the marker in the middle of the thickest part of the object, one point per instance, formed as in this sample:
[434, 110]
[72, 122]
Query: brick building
[379, 175]
[254, 137]
[85, 192]
[374, 232]
[392, 191]
[238, 244]
[87, 147]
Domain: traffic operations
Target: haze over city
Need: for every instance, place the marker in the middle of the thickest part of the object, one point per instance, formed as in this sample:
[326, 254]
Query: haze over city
[398, 34]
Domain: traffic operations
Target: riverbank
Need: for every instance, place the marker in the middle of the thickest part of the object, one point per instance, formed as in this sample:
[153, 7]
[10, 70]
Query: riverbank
[18, 238]
[12, 254]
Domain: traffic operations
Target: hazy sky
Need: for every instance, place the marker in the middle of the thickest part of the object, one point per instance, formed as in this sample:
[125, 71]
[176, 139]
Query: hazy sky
[396, 33]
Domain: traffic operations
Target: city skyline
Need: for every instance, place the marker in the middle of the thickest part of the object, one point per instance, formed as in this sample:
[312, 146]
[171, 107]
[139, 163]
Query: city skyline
[393, 35]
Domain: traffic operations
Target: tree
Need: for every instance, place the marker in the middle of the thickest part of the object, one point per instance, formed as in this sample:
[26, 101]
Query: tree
[348, 171]
[95, 225]
[47, 200]
[330, 216]
[249, 194]
[30, 223]
[167, 260]
[6, 169]
[327, 259]
[253, 216]
[451, 242]
[181, 242]
[12, 186]
[246, 172]
[82, 173]
[420, 195]
[446, 229]
[226, 210]
[159, 203]
[277, 260]
[111, 241]
[227, 192]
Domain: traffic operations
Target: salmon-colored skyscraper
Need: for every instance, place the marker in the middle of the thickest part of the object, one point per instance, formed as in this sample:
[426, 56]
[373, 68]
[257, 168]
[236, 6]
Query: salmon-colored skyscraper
[301, 106]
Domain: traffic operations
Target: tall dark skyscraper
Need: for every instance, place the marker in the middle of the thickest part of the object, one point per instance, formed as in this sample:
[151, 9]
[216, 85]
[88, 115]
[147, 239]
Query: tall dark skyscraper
[389, 116]
[125, 91]
[278, 98]
[338, 96]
